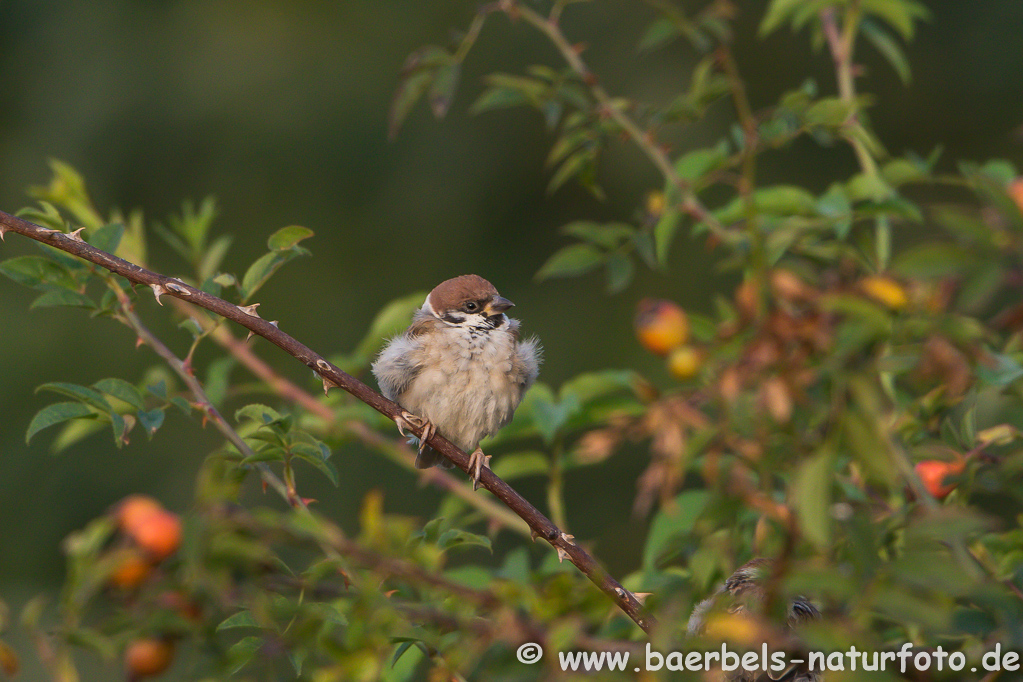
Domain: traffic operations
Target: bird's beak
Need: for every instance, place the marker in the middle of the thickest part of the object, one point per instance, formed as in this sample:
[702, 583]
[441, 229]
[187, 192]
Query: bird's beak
[498, 305]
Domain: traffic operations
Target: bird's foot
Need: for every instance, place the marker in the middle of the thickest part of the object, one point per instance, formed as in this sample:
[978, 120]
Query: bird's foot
[477, 462]
[407, 420]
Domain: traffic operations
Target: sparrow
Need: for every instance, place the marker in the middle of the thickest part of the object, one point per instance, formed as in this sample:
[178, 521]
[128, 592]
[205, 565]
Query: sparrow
[744, 591]
[460, 369]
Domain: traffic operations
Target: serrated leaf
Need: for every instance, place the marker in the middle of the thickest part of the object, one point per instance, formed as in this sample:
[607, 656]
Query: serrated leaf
[63, 297]
[288, 237]
[574, 259]
[55, 414]
[261, 414]
[108, 237]
[122, 390]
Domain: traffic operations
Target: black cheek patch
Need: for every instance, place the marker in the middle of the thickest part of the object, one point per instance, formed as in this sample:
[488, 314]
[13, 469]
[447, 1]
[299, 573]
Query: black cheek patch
[453, 318]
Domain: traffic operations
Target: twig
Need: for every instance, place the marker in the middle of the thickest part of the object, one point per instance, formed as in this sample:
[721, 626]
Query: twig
[394, 450]
[162, 285]
[689, 203]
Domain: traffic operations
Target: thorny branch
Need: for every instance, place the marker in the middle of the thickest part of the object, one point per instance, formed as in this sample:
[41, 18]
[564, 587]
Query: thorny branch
[392, 449]
[162, 285]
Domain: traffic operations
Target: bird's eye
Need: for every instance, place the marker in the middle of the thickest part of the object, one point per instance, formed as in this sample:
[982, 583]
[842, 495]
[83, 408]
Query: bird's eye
[471, 306]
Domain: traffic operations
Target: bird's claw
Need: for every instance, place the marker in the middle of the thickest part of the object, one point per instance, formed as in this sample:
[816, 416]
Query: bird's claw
[477, 462]
[407, 420]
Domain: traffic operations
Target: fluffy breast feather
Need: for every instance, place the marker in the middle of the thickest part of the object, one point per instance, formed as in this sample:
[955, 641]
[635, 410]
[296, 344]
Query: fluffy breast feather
[467, 382]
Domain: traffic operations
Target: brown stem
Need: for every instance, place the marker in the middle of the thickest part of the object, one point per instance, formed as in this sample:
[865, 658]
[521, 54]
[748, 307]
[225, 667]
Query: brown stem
[689, 203]
[162, 285]
[396, 451]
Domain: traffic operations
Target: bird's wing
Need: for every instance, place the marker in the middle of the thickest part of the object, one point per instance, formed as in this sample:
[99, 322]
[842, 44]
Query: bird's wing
[401, 360]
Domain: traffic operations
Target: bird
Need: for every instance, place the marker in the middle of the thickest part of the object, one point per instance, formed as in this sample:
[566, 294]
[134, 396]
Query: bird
[460, 369]
[744, 591]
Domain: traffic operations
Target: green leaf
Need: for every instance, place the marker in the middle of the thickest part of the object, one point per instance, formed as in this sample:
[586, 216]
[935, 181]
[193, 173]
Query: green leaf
[442, 90]
[672, 523]
[82, 394]
[520, 464]
[405, 645]
[693, 166]
[934, 260]
[318, 458]
[55, 414]
[550, 415]
[122, 390]
[242, 619]
[63, 297]
[392, 319]
[619, 271]
[899, 14]
[33, 271]
[605, 235]
[108, 237]
[1001, 370]
[658, 33]
[159, 389]
[242, 652]
[261, 414]
[777, 13]
[456, 537]
[288, 237]
[889, 49]
[499, 98]
[664, 234]
[574, 259]
[830, 111]
[151, 420]
[812, 498]
[264, 268]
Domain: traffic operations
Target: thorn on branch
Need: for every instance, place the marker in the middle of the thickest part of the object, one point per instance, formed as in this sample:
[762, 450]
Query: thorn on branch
[158, 291]
[77, 235]
[250, 310]
[327, 385]
[178, 288]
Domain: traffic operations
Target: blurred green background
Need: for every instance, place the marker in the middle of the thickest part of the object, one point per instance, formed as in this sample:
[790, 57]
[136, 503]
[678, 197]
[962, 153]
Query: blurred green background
[278, 108]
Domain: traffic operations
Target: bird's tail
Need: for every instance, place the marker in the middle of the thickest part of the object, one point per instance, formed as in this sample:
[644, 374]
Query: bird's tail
[430, 457]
